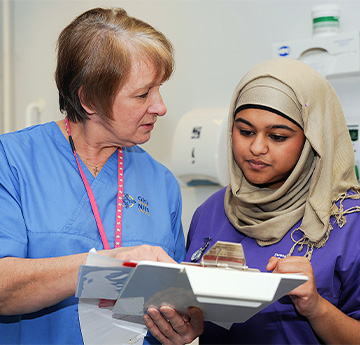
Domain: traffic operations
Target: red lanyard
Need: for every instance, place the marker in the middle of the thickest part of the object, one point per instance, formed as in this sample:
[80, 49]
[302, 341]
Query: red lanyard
[119, 199]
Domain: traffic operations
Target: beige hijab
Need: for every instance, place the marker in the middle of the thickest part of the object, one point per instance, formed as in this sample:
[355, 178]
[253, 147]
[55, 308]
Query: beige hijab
[324, 172]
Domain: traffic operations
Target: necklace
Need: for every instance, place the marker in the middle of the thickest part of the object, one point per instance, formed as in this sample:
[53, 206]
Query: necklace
[95, 167]
[119, 198]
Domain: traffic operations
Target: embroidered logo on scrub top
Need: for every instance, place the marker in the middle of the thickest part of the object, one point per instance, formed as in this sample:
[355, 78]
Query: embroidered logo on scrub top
[280, 256]
[142, 203]
[128, 201]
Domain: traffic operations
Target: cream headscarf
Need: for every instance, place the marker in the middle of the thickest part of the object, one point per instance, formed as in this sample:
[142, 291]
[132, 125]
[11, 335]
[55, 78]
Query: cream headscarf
[324, 172]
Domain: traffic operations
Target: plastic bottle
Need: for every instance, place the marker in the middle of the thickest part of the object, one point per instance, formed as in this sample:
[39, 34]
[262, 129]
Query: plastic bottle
[325, 19]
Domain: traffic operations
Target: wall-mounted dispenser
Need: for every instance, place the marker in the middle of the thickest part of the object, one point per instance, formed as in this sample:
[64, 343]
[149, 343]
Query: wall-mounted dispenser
[199, 148]
[332, 56]
[331, 53]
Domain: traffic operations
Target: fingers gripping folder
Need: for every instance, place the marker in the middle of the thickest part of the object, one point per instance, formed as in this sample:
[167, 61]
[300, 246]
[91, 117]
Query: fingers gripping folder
[221, 285]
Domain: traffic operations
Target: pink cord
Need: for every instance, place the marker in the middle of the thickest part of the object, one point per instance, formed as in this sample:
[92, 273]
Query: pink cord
[119, 199]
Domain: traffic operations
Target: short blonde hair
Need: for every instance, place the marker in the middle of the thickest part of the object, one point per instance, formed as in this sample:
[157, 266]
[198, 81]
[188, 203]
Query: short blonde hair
[95, 53]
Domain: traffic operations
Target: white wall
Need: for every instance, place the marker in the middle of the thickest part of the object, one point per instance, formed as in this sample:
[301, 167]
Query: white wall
[216, 42]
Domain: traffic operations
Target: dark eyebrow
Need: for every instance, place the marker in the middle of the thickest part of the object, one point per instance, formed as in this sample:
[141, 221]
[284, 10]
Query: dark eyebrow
[281, 126]
[267, 127]
[239, 119]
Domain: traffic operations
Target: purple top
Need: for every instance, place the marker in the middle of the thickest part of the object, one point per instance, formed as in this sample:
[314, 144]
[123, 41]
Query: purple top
[336, 268]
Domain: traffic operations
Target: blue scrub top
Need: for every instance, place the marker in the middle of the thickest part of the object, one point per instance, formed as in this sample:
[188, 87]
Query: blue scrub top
[46, 212]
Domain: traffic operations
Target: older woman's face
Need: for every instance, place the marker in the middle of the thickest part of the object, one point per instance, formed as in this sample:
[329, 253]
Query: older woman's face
[137, 106]
[266, 146]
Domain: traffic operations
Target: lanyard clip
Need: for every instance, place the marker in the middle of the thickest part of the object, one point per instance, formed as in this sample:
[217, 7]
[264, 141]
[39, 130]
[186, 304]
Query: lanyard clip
[197, 255]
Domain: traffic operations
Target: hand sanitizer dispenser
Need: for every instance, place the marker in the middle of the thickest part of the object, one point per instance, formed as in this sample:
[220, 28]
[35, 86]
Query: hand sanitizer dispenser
[331, 56]
[331, 53]
[199, 148]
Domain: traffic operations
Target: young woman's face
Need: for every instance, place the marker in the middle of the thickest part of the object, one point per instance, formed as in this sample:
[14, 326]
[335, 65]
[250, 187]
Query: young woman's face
[266, 146]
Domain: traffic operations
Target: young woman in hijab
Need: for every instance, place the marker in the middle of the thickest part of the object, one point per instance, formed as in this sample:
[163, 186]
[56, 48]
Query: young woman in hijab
[293, 203]
[83, 182]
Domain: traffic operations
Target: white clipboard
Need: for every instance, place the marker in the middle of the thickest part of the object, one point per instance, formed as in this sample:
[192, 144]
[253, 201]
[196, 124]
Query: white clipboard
[224, 293]
[228, 296]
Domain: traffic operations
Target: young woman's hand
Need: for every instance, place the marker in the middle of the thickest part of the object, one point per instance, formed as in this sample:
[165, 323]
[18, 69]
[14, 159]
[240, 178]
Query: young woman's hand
[328, 322]
[305, 297]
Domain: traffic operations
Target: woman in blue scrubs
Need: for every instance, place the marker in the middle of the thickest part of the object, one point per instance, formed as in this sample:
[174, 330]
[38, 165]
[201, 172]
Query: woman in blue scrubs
[82, 182]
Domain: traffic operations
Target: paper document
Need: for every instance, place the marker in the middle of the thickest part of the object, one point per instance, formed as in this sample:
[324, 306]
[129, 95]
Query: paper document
[99, 325]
